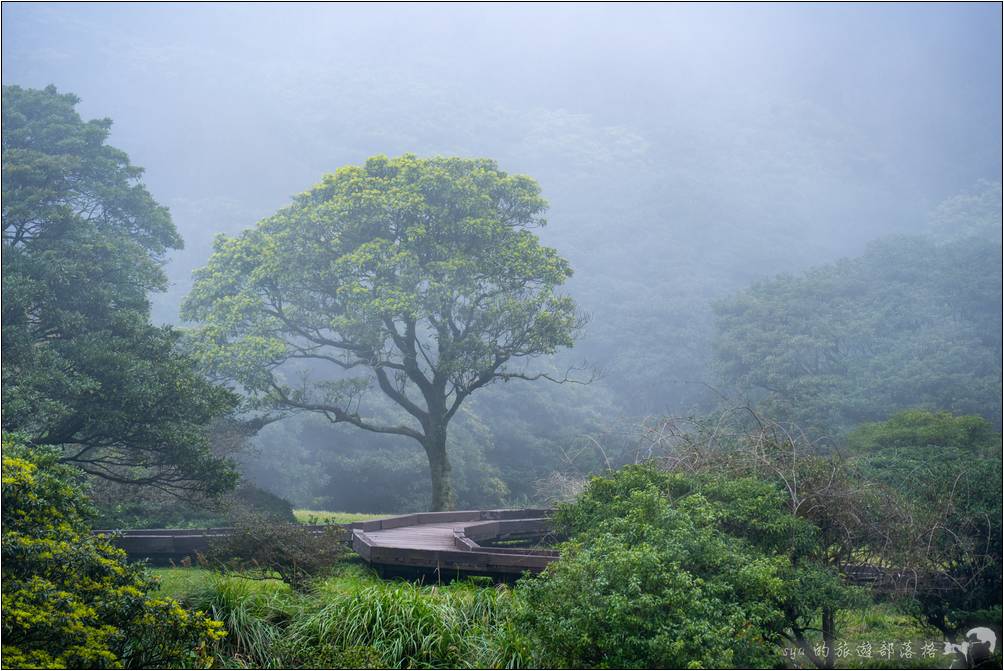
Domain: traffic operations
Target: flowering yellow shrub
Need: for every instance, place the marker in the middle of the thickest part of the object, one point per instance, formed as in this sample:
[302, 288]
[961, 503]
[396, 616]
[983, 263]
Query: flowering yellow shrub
[70, 599]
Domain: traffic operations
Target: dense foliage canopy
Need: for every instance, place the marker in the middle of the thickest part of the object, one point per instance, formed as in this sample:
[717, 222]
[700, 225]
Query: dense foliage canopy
[911, 323]
[83, 368]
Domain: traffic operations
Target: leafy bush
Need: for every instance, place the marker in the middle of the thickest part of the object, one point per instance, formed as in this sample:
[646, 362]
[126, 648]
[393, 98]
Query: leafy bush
[69, 598]
[667, 570]
[261, 547]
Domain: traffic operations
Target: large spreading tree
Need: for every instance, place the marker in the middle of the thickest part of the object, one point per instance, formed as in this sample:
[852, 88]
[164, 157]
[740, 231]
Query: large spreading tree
[83, 367]
[420, 276]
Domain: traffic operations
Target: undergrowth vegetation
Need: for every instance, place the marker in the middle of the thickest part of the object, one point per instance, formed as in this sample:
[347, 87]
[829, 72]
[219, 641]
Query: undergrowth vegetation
[260, 548]
[352, 619]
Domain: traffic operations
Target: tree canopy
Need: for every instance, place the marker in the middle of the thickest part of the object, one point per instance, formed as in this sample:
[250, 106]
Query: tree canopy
[83, 244]
[910, 323]
[421, 276]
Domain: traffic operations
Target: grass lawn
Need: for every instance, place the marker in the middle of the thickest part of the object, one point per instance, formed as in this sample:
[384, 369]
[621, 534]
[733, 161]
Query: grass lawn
[185, 583]
[181, 583]
[322, 516]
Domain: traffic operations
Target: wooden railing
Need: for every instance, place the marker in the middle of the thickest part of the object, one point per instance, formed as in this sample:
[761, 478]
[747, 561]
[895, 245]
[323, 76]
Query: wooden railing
[162, 547]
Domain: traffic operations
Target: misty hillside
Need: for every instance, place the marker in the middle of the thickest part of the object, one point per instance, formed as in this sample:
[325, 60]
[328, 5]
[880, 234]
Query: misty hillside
[675, 327]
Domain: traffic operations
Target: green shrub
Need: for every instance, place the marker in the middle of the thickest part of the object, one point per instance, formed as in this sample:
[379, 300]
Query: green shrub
[69, 598]
[667, 570]
[261, 547]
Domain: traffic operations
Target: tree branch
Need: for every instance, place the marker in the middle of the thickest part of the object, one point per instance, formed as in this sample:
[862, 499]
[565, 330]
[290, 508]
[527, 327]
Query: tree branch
[337, 415]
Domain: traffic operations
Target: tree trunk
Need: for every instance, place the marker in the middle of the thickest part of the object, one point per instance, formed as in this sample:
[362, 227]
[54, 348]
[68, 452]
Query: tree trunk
[439, 469]
[823, 657]
[829, 635]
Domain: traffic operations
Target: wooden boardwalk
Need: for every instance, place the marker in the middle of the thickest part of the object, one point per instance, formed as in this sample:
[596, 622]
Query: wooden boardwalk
[454, 544]
[438, 546]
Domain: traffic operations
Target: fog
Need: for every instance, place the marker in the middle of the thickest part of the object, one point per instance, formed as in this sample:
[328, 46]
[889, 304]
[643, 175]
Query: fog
[686, 151]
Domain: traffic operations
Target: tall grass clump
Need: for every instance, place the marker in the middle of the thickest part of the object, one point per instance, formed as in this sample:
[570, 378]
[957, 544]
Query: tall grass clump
[355, 620]
[410, 626]
[254, 614]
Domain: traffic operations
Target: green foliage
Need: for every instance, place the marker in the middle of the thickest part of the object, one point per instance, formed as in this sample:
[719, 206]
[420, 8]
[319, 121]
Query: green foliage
[259, 545]
[974, 213]
[83, 243]
[423, 273]
[407, 625]
[908, 324]
[621, 605]
[673, 571]
[69, 598]
[923, 434]
[261, 615]
[252, 612]
[903, 500]
[947, 470]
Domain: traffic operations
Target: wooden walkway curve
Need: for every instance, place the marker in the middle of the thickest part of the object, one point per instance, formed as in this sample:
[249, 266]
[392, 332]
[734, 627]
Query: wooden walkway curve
[454, 544]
